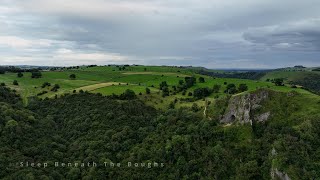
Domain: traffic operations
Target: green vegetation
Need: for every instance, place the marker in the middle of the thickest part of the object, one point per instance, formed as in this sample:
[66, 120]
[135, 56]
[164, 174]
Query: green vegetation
[306, 78]
[148, 114]
[87, 128]
[180, 82]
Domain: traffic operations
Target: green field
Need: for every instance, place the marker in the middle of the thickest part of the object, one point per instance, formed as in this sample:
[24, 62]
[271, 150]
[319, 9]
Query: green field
[288, 75]
[106, 79]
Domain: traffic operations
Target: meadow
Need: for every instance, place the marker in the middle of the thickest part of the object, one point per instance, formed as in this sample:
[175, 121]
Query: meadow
[109, 80]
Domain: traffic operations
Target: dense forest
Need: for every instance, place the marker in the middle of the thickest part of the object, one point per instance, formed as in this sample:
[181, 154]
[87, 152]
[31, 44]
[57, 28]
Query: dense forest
[310, 82]
[253, 75]
[175, 144]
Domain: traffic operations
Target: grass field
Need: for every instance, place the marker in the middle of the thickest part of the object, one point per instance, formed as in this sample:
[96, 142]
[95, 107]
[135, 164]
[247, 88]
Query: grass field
[106, 79]
[288, 75]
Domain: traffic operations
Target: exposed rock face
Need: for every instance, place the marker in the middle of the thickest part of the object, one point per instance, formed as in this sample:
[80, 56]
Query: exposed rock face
[276, 174]
[241, 107]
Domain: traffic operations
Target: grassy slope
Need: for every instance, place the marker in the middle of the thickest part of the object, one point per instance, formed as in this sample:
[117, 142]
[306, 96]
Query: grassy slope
[288, 75]
[134, 75]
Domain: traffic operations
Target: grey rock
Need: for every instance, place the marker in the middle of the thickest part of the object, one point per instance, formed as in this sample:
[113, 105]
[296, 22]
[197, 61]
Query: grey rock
[276, 174]
[262, 117]
[240, 108]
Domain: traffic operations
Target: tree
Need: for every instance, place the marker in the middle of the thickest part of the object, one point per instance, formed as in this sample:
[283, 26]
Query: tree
[190, 81]
[172, 105]
[278, 82]
[195, 107]
[165, 91]
[72, 76]
[15, 82]
[231, 89]
[201, 80]
[45, 84]
[148, 91]
[163, 84]
[181, 82]
[243, 87]
[216, 88]
[36, 74]
[19, 75]
[2, 70]
[201, 92]
[128, 95]
[55, 88]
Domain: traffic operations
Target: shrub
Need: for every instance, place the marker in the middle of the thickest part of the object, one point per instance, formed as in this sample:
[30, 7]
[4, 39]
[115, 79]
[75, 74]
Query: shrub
[148, 91]
[55, 88]
[15, 82]
[243, 87]
[19, 75]
[36, 74]
[201, 79]
[72, 76]
[231, 89]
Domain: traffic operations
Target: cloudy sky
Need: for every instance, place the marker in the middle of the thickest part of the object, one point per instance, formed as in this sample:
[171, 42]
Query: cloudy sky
[210, 33]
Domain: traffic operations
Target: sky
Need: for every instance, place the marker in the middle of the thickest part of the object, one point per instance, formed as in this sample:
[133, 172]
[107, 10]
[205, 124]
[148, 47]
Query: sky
[251, 34]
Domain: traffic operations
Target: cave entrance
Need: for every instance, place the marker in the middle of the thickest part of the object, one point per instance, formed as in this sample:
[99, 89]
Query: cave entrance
[233, 118]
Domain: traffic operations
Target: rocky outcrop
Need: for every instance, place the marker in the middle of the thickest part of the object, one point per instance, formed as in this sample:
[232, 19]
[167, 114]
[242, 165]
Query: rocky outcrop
[241, 108]
[276, 174]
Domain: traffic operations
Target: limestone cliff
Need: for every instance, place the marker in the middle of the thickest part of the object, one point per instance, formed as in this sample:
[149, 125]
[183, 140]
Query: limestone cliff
[241, 108]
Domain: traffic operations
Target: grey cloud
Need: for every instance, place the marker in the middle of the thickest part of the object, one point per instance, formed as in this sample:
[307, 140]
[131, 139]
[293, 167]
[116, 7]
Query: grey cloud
[210, 33]
[297, 36]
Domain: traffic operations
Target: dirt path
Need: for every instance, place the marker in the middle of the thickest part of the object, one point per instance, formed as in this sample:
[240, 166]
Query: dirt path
[98, 86]
[156, 73]
[205, 110]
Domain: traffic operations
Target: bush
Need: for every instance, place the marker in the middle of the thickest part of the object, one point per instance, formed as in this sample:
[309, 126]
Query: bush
[19, 75]
[36, 74]
[148, 91]
[55, 88]
[195, 107]
[42, 93]
[231, 89]
[216, 88]
[45, 84]
[72, 76]
[201, 80]
[243, 87]
[128, 95]
[201, 92]
[15, 82]
[278, 82]
[165, 91]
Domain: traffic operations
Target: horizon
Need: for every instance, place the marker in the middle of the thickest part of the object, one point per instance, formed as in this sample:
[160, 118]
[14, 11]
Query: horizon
[229, 69]
[249, 35]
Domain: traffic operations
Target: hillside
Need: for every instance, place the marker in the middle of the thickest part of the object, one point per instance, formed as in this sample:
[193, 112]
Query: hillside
[309, 78]
[114, 79]
[90, 128]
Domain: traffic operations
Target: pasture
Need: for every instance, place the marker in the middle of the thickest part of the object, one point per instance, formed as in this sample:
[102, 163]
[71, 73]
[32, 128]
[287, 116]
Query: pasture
[109, 80]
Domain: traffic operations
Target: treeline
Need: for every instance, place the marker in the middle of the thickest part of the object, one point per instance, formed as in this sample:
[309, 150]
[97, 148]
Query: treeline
[253, 75]
[13, 69]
